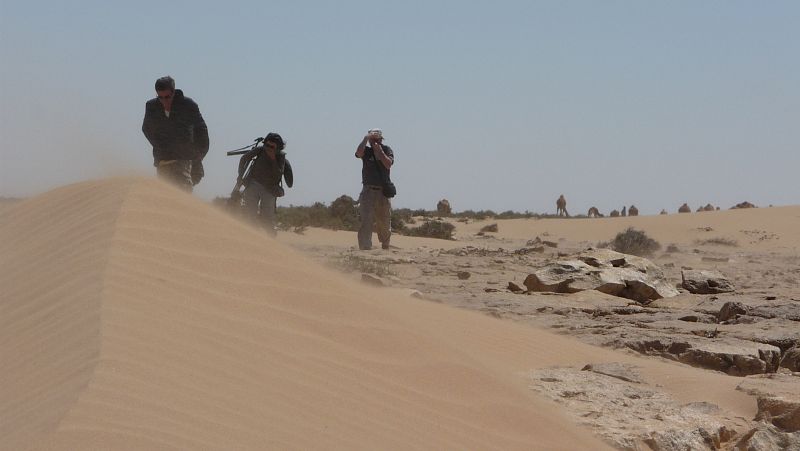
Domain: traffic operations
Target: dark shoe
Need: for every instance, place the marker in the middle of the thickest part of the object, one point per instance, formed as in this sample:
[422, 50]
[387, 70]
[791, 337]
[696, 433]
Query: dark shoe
[384, 245]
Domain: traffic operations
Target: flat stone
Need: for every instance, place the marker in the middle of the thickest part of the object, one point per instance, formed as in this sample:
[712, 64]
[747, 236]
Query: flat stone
[700, 281]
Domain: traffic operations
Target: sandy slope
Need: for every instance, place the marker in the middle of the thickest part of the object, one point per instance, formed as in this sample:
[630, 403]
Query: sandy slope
[772, 228]
[136, 317]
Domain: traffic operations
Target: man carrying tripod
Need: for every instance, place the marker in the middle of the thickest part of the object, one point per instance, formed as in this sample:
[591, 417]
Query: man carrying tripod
[179, 136]
[267, 166]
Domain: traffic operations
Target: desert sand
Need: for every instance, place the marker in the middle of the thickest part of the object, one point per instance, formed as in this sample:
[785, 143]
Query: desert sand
[134, 316]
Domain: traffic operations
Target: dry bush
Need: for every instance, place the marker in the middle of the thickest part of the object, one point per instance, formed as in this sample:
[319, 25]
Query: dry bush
[634, 242]
[432, 229]
[718, 241]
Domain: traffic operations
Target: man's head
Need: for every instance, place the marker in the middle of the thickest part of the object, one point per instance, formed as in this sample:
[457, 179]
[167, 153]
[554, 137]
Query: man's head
[375, 135]
[274, 141]
[165, 90]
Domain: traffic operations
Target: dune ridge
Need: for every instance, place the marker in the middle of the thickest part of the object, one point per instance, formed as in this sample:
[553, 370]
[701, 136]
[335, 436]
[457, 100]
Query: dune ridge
[139, 318]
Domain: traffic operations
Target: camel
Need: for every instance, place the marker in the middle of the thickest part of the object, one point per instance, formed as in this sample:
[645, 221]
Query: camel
[684, 209]
[633, 211]
[561, 206]
[443, 208]
[624, 211]
[594, 213]
[614, 214]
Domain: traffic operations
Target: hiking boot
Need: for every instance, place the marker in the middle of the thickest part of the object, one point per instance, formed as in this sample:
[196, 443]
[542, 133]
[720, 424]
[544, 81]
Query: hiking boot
[384, 245]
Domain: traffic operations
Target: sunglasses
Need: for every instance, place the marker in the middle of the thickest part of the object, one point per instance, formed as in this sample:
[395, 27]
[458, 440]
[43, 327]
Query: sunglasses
[166, 97]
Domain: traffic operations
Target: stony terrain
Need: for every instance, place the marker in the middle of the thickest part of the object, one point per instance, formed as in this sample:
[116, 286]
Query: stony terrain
[752, 332]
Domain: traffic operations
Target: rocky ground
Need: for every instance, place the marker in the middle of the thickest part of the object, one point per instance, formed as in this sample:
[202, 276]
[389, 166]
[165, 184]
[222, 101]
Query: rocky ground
[752, 332]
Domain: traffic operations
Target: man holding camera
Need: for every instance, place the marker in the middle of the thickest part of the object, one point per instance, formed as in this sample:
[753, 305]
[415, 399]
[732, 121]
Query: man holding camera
[179, 136]
[268, 165]
[376, 162]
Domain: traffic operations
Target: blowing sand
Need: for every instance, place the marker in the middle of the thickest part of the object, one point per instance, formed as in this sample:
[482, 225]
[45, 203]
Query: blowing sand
[134, 316]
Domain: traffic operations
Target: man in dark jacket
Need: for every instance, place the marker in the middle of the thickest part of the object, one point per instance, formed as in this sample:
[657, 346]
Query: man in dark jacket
[268, 165]
[179, 136]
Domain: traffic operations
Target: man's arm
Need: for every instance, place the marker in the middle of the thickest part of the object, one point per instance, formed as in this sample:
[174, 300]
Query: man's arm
[200, 132]
[382, 156]
[147, 126]
[361, 147]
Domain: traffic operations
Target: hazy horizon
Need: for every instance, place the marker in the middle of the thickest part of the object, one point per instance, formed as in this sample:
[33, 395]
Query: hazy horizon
[502, 106]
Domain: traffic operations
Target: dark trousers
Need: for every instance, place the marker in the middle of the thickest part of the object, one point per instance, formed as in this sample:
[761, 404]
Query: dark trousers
[376, 208]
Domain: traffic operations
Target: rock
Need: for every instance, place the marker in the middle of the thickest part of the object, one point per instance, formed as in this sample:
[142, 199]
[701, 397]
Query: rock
[534, 242]
[633, 416]
[733, 360]
[783, 413]
[514, 288]
[372, 279]
[684, 209]
[443, 208]
[463, 275]
[789, 312]
[552, 244]
[728, 355]
[705, 282]
[777, 397]
[791, 359]
[744, 204]
[766, 437]
[606, 271]
[530, 250]
[731, 310]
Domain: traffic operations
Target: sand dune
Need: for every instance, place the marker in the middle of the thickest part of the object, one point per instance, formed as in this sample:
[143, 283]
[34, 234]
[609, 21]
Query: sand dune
[771, 228]
[134, 316]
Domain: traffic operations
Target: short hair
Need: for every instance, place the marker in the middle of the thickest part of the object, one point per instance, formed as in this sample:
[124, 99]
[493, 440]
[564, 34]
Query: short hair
[276, 138]
[164, 83]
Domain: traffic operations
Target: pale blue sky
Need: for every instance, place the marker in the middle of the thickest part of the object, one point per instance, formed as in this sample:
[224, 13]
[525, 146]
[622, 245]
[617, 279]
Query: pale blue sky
[494, 105]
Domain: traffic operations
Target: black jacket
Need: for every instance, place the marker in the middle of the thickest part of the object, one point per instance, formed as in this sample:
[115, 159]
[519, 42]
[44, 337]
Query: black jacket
[265, 171]
[181, 136]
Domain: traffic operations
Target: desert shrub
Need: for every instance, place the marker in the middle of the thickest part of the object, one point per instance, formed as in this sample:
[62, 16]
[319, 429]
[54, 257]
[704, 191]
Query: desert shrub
[398, 222]
[634, 242]
[489, 228]
[406, 215]
[422, 213]
[352, 262]
[344, 208]
[476, 215]
[432, 229]
[718, 241]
